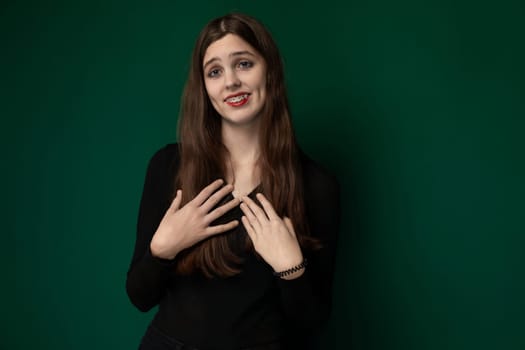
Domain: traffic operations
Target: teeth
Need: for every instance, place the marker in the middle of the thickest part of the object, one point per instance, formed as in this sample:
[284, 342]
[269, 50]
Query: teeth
[237, 98]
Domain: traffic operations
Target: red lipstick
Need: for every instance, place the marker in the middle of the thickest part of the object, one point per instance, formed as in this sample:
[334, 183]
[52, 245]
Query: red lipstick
[237, 100]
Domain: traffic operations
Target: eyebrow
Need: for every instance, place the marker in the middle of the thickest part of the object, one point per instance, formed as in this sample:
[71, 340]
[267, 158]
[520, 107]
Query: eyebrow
[233, 54]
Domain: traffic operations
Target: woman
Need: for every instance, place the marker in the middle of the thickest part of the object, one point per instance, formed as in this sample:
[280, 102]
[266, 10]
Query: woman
[237, 227]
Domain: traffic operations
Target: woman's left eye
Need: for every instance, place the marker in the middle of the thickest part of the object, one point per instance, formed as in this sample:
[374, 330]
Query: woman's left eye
[245, 64]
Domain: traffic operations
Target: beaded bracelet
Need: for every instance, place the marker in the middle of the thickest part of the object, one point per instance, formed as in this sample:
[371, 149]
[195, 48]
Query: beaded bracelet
[291, 270]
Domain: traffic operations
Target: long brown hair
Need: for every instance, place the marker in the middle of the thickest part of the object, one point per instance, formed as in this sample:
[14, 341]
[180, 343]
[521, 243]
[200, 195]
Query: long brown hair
[203, 155]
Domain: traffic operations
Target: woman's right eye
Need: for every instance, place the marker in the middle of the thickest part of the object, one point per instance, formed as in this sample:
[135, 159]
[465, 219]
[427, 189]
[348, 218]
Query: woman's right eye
[213, 73]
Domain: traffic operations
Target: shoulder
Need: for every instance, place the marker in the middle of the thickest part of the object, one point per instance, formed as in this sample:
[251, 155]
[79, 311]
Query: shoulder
[317, 178]
[167, 152]
[165, 160]
[322, 199]
[166, 155]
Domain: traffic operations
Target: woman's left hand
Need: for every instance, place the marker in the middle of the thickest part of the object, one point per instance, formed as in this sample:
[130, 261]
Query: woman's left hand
[273, 237]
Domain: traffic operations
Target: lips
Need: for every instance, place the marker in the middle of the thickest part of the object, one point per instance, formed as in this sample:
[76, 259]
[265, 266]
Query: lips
[237, 99]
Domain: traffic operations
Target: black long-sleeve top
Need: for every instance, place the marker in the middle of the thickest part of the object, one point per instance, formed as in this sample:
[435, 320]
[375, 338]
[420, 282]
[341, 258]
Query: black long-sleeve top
[251, 308]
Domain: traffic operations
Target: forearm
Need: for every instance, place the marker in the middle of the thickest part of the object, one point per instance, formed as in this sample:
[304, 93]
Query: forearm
[147, 280]
[306, 299]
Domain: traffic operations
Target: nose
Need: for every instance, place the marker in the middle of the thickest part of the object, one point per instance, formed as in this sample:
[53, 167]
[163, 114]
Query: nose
[232, 80]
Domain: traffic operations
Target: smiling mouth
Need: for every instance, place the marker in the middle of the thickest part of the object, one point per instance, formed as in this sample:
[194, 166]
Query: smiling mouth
[238, 100]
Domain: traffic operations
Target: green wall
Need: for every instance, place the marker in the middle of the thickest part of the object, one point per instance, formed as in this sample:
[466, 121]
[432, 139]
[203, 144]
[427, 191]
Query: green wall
[417, 106]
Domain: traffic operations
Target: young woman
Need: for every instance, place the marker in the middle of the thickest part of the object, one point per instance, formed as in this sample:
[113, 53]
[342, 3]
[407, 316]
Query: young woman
[237, 227]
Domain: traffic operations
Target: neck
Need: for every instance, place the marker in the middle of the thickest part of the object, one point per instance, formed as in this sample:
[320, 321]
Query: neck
[242, 143]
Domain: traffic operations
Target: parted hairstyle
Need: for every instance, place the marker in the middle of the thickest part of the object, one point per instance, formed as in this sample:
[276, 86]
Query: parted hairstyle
[204, 158]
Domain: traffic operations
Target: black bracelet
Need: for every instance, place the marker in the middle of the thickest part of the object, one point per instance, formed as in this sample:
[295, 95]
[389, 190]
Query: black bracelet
[292, 270]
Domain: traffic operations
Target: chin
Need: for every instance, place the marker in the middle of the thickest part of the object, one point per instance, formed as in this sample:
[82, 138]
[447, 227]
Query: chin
[240, 121]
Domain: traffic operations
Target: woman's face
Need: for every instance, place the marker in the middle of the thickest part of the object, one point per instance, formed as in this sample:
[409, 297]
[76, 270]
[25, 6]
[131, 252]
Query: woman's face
[235, 79]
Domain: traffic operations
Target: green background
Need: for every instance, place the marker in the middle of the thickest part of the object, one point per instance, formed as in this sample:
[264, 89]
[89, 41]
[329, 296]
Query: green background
[417, 106]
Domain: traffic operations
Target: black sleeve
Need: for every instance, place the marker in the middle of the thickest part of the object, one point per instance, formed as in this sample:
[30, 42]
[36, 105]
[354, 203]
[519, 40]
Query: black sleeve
[147, 276]
[307, 299]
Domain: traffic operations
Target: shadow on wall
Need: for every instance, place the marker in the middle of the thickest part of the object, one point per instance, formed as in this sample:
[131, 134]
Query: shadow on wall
[335, 137]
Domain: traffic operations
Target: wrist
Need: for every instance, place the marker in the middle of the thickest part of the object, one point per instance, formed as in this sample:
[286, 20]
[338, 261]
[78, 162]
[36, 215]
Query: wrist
[158, 252]
[292, 272]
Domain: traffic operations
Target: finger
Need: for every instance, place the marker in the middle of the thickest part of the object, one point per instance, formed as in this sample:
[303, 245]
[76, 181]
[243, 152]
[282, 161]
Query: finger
[248, 227]
[289, 225]
[207, 192]
[214, 230]
[216, 197]
[256, 210]
[220, 211]
[267, 206]
[250, 216]
[175, 204]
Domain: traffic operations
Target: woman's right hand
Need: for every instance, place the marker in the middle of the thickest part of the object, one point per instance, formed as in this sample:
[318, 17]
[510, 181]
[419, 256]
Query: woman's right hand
[180, 228]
